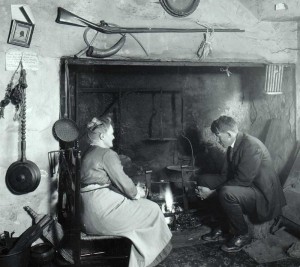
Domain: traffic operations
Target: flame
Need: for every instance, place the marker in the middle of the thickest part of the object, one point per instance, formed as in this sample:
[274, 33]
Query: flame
[169, 199]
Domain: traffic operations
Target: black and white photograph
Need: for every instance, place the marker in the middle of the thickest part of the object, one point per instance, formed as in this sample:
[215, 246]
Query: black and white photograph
[143, 133]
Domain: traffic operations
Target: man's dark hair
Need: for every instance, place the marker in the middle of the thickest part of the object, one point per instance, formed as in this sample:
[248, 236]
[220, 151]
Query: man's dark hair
[223, 124]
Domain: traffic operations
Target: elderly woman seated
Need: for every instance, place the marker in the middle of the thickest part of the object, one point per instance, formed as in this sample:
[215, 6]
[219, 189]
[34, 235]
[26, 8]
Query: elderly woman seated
[113, 205]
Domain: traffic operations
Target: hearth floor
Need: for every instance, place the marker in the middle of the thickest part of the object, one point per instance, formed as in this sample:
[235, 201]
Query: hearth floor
[190, 251]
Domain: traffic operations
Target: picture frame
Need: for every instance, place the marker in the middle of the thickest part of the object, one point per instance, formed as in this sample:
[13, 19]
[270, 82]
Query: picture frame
[20, 33]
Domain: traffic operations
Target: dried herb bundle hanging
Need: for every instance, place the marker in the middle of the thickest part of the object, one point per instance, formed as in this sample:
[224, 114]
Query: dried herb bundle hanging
[15, 94]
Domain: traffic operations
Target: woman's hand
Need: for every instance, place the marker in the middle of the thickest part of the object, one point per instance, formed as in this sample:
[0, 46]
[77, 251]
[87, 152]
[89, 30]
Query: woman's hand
[142, 190]
[203, 192]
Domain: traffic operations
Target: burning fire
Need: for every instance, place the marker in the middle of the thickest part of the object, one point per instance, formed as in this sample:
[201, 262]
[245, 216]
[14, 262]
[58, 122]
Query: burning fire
[168, 200]
[168, 207]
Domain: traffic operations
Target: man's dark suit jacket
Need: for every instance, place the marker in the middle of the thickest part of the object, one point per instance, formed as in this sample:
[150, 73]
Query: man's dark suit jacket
[252, 166]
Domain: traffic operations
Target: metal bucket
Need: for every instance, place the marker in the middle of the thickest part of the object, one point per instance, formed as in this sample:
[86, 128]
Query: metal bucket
[41, 255]
[19, 259]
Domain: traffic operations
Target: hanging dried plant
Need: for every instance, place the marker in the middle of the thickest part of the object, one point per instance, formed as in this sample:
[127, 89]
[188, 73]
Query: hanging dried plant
[15, 94]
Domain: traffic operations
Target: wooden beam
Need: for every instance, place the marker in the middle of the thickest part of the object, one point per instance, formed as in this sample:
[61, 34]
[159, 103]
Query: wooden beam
[143, 62]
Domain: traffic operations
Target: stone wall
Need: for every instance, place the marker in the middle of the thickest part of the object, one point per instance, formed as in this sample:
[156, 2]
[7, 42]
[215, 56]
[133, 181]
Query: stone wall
[151, 105]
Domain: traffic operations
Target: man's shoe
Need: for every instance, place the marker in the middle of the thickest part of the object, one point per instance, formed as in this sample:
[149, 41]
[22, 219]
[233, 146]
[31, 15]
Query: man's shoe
[236, 243]
[215, 235]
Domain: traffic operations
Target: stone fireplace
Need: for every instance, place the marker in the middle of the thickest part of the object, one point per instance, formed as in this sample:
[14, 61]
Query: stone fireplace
[162, 112]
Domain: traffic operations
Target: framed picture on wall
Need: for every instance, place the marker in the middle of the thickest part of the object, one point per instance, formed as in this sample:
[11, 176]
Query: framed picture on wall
[20, 33]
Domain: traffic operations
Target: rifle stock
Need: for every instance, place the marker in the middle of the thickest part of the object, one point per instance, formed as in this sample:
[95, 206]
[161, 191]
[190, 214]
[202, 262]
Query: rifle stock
[66, 17]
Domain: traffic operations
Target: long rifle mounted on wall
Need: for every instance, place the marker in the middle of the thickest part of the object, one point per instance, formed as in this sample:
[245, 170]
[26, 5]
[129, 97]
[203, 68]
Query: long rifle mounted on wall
[66, 17]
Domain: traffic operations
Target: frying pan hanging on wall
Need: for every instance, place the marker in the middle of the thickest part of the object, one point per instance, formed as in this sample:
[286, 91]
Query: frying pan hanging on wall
[179, 8]
[65, 129]
[23, 176]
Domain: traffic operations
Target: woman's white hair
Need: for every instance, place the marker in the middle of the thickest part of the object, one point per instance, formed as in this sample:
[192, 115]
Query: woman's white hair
[97, 126]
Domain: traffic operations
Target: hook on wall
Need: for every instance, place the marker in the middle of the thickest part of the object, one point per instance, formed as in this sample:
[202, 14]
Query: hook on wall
[226, 70]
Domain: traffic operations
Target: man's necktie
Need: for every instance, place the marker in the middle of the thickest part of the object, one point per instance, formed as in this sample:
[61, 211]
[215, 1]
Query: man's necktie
[229, 154]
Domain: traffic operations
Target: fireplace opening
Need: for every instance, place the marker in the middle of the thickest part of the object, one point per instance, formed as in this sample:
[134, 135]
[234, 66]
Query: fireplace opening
[162, 113]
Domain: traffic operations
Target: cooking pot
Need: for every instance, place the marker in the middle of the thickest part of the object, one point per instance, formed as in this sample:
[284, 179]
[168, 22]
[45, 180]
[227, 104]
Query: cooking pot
[41, 254]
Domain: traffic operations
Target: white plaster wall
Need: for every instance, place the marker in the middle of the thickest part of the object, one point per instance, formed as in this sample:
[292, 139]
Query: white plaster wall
[269, 12]
[261, 42]
[298, 91]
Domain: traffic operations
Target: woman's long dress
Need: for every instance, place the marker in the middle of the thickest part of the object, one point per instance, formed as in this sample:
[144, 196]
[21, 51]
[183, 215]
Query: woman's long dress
[104, 211]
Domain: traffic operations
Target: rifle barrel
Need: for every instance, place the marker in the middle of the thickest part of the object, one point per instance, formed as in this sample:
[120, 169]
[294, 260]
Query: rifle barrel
[112, 30]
